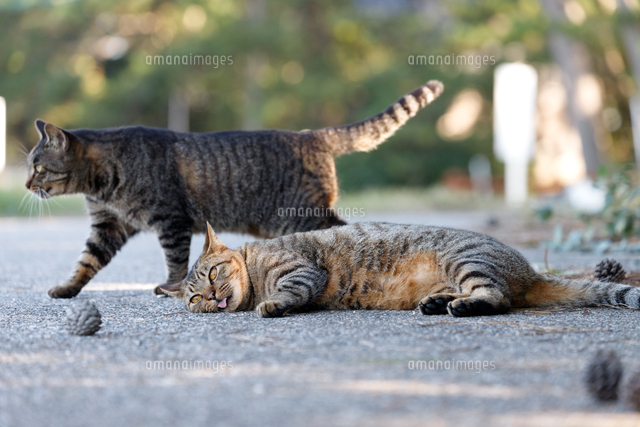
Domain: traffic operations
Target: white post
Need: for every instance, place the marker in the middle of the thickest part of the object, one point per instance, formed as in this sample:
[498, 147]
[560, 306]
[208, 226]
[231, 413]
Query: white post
[516, 182]
[3, 134]
[514, 125]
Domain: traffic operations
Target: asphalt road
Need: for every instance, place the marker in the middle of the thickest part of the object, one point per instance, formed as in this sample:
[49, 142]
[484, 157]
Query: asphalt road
[328, 368]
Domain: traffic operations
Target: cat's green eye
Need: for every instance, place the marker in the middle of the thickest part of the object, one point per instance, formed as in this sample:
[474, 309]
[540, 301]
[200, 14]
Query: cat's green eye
[194, 299]
[38, 169]
[213, 274]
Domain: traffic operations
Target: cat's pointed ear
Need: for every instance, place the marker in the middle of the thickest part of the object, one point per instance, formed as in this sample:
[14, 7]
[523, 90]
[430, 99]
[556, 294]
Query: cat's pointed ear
[57, 139]
[175, 290]
[211, 242]
[40, 128]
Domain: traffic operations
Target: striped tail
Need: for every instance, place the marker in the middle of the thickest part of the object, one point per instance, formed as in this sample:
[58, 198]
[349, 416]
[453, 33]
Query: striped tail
[368, 134]
[581, 293]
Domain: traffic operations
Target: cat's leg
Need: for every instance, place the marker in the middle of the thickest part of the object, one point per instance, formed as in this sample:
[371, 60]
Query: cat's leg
[296, 289]
[175, 239]
[488, 292]
[108, 235]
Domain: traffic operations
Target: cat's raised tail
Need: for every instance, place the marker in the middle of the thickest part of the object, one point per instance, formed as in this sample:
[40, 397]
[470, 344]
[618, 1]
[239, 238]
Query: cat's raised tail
[368, 134]
[581, 293]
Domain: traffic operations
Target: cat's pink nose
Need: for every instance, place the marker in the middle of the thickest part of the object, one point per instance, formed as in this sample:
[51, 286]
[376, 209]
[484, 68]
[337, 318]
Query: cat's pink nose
[211, 295]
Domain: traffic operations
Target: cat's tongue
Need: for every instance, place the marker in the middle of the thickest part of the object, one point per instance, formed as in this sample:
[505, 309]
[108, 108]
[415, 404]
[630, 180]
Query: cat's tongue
[223, 303]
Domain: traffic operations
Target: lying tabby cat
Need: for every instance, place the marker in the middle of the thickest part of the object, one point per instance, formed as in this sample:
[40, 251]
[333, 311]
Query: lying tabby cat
[145, 179]
[380, 266]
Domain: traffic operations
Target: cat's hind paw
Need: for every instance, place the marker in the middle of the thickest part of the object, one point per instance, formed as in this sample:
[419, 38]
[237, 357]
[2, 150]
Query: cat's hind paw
[270, 309]
[435, 304]
[473, 306]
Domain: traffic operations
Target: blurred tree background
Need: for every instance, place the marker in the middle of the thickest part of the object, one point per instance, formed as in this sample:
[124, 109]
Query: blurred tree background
[298, 64]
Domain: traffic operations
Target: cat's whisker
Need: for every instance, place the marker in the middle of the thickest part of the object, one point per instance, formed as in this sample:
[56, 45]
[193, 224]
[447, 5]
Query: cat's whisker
[50, 198]
[22, 205]
[42, 203]
[46, 201]
[24, 150]
[39, 201]
[27, 203]
[31, 202]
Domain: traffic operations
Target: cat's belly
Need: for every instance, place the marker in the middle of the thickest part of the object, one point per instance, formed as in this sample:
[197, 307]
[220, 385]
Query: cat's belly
[401, 288]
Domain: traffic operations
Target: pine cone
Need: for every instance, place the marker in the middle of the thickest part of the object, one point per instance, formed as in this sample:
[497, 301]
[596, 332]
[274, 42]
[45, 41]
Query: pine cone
[83, 318]
[603, 375]
[610, 270]
[633, 391]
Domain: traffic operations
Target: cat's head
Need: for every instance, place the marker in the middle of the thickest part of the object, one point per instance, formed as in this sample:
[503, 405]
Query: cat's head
[218, 281]
[53, 161]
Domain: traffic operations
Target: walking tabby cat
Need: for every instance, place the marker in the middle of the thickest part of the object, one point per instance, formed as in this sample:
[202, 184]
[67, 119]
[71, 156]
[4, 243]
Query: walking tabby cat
[170, 183]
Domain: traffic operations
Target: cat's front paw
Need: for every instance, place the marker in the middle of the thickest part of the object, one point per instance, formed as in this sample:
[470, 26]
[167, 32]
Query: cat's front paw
[270, 309]
[158, 292]
[63, 292]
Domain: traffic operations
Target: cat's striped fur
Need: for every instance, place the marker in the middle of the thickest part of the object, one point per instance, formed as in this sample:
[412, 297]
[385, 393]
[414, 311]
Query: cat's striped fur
[381, 266]
[146, 179]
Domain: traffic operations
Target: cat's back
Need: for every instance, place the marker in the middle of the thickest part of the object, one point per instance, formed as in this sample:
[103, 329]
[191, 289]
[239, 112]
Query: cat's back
[127, 135]
[139, 136]
[383, 247]
[192, 153]
[376, 238]
[130, 147]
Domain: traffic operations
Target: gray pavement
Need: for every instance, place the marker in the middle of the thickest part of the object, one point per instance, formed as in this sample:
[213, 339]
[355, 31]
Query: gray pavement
[327, 368]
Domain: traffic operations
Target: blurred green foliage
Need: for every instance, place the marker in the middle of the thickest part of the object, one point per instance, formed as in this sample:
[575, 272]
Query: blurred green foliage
[616, 227]
[297, 64]
[621, 213]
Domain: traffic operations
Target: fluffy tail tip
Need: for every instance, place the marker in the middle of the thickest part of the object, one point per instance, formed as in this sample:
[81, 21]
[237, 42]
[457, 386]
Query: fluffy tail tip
[436, 87]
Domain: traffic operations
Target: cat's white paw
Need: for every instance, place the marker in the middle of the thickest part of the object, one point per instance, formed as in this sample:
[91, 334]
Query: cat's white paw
[270, 309]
